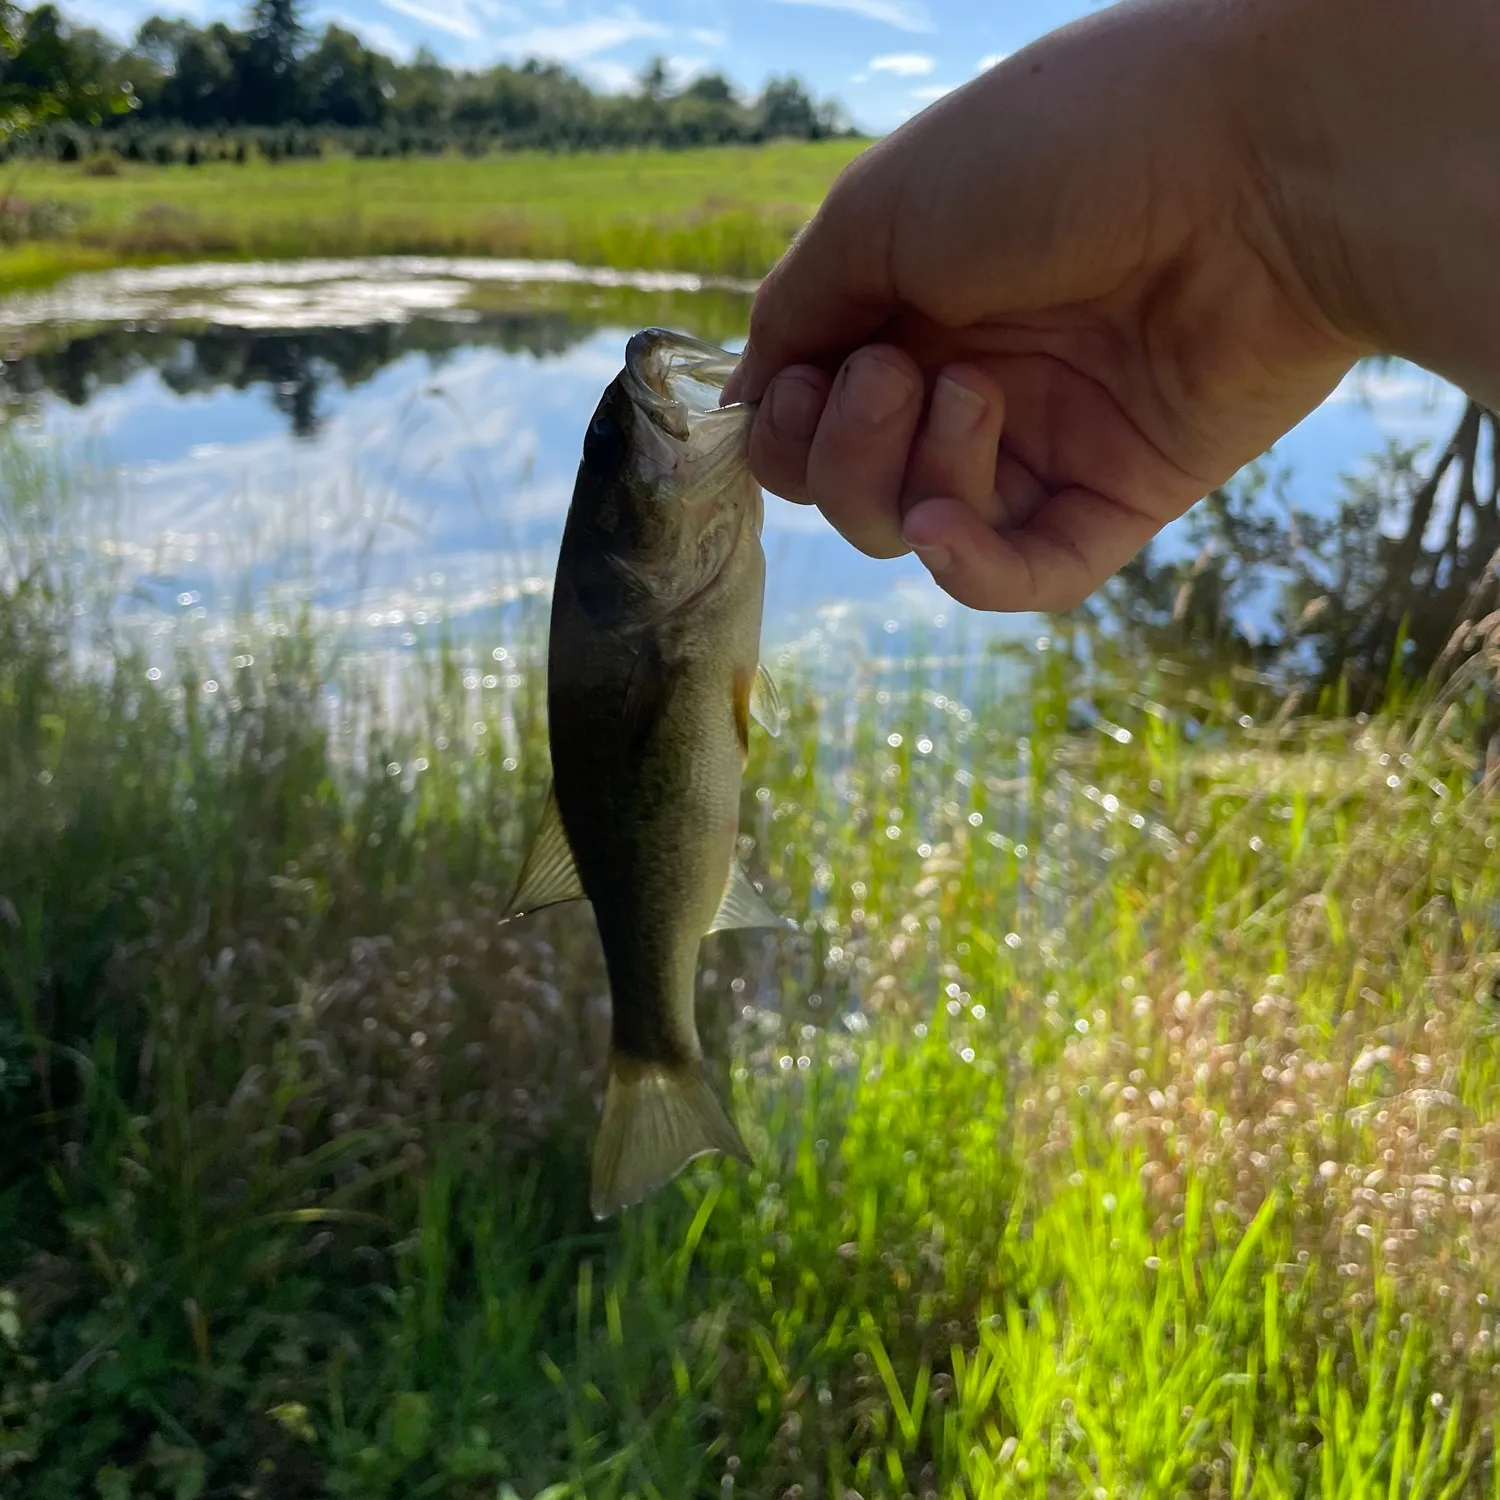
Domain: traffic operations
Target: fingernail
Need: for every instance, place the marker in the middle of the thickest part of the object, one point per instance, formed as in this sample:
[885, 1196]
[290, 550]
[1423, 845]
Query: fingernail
[873, 390]
[957, 409]
[934, 559]
[794, 405]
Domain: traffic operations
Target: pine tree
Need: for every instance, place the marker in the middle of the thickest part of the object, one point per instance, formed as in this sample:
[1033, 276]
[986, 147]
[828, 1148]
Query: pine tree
[277, 36]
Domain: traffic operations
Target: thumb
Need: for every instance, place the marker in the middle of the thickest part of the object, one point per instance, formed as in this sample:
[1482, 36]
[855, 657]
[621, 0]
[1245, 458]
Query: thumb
[832, 289]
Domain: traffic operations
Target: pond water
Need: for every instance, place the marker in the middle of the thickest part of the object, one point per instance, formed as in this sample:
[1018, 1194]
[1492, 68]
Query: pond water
[397, 438]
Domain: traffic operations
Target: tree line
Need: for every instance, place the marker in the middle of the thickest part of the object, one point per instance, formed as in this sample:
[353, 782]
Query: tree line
[59, 78]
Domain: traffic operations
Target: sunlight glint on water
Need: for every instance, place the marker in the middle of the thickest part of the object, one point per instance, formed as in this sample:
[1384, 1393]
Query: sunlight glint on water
[393, 442]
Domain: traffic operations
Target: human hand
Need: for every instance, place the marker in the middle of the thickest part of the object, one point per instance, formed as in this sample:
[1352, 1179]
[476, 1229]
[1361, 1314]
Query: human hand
[1053, 311]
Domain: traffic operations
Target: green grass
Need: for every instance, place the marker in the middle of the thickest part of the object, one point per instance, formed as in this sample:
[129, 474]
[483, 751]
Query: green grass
[1126, 1116]
[726, 211]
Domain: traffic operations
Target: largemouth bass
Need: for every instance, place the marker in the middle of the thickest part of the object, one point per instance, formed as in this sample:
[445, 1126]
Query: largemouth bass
[653, 677]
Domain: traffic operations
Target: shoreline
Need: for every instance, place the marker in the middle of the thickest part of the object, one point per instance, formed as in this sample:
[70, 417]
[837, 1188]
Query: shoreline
[724, 211]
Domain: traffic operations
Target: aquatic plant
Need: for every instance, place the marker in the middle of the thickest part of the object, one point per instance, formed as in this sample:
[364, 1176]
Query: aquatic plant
[1126, 1118]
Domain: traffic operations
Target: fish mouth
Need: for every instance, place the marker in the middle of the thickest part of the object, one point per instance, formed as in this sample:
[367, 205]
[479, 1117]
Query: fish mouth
[676, 380]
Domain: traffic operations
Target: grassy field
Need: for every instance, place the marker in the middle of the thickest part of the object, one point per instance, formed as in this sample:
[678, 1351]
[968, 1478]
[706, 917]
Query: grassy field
[1126, 1115]
[729, 211]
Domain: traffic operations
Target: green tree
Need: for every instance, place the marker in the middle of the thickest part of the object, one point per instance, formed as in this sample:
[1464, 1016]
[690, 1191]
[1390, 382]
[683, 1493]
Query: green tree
[271, 79]
[344, 83]
[712, 88]
[787, 109]
[656, 81]
[48, 71]
[268, 74]
[203, 70]
[421, 91]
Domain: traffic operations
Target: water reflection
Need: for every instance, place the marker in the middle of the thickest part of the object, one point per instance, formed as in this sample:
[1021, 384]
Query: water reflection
[398, 438]
[401, 452]
[301, 371]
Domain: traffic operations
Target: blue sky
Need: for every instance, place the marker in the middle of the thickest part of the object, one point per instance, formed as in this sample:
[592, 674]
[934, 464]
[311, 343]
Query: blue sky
[884, 59]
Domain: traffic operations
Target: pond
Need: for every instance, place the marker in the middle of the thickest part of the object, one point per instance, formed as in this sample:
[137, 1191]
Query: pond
[396, 439]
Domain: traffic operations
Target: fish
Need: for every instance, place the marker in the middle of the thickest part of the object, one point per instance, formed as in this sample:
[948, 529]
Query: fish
[653, 678]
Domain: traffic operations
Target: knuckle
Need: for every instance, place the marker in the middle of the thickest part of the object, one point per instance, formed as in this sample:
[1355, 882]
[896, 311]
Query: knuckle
[763, 311]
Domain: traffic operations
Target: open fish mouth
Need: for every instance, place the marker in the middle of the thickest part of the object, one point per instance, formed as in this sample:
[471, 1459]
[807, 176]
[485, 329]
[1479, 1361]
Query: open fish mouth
[676, 381]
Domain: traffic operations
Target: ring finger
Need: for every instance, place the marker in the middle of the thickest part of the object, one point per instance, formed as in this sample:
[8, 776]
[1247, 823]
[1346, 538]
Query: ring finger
[954, 455]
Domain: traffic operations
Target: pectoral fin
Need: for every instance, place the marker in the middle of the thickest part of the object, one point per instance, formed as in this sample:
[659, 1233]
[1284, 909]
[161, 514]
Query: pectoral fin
[743, 906]
[742, 709]
[549, 874]
[755, 697]
[647, 694]
[765, 701]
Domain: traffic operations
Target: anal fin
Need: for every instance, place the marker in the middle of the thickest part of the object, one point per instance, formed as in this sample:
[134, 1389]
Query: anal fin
[549, 875]
[742, 906]
[657, 1118]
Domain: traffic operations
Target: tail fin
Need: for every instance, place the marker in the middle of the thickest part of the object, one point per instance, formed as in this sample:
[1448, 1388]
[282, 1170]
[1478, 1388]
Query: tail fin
[657, 1118]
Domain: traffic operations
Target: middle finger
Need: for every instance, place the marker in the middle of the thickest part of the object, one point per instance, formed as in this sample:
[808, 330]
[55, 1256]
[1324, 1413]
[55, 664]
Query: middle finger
[857, 461]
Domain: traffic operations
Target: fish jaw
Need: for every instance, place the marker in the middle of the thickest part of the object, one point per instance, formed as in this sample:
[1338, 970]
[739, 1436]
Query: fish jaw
[692, 468]
[657, 361]
[712, 439]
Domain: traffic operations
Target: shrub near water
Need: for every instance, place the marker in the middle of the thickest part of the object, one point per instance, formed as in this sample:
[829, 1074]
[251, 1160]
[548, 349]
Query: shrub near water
[1125, 1116]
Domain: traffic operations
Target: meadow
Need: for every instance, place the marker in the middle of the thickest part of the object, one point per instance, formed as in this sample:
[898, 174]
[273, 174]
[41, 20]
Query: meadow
[727, 211]
[1126, 1113]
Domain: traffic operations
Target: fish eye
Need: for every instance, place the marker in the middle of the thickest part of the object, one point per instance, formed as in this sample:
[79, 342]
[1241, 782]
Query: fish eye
[602, 427]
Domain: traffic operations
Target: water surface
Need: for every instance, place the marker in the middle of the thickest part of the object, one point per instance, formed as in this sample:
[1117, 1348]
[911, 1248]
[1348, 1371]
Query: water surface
[396, 439]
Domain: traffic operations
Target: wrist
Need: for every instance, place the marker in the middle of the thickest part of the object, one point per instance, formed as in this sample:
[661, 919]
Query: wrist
[1372, 130]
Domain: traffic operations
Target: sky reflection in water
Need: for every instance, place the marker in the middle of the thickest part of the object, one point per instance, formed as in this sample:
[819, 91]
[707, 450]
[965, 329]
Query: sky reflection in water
[401, 438]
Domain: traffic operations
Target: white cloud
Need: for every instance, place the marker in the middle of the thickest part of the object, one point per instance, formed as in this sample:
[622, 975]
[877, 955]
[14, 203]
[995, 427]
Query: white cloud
[608, 76]
[615, 77]
[374, 34]
[930, 91]
[461, 18]
[903, 64]
[1395, 382]
[453, 16]
[121, 20]
[905, 15]
[579, 39]
[705, 37]
[990, 59]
